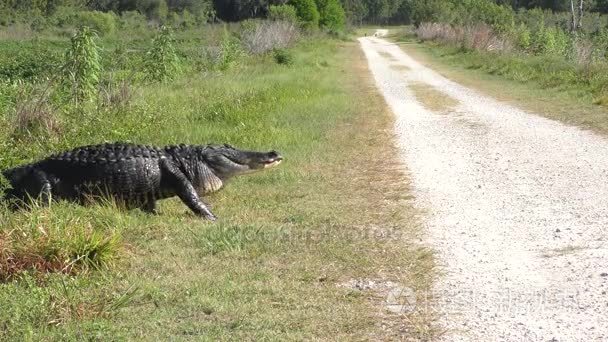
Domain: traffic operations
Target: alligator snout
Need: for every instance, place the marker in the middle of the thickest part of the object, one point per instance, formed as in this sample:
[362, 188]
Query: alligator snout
[274, 158]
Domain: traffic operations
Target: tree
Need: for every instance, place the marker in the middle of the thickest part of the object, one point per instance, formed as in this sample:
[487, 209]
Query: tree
[307, 12]
[378, 10]
[576, 11]
[356, 10]
[331, 14]
[235, 10]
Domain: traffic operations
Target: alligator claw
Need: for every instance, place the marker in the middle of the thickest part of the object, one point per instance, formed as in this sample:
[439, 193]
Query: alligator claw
[210, 217]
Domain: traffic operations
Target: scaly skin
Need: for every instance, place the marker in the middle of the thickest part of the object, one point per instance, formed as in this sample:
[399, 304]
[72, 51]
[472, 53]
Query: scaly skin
[134, 175]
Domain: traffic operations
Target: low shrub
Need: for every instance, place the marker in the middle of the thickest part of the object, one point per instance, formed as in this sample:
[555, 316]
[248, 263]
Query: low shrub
[553, 41]
[132, 20]
[265, 36]
[523, 38]
[283, 56]
[29, 62]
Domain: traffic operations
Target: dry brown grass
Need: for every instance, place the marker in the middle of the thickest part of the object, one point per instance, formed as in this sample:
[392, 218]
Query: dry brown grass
[478, 37]
[378, 183]
[34, 114]
[269, 35]
[116, 94]
[432, 98]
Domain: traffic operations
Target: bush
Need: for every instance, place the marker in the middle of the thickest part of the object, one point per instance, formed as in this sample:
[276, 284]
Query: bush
[102, 23]
[500, 18]
[307, 11]
[268, 35]
[283, 13]
[331, 14]
[28, 63]
[283, 56]
[153, 9]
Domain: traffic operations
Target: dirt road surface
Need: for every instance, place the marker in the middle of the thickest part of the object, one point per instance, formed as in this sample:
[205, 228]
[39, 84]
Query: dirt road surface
[516, 207]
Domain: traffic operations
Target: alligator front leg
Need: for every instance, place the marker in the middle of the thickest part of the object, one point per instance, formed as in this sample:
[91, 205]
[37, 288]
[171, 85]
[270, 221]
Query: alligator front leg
[149, 207]
[184, 189]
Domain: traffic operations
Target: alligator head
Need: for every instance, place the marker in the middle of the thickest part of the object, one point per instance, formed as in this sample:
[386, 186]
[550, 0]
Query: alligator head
[227, 161]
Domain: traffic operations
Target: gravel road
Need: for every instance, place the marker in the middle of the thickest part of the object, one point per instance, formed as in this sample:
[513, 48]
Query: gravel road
[516, 207]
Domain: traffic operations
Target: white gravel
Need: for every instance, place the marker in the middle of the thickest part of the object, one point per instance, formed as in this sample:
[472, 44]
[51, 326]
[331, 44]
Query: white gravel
[516, 208]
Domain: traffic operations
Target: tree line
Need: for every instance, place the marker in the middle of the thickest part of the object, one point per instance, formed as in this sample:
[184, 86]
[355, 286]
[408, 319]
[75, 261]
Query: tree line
[356, 11]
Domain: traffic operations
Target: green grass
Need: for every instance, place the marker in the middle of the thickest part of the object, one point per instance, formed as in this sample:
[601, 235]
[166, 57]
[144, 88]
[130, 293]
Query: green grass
[273, 266]
[547, 86]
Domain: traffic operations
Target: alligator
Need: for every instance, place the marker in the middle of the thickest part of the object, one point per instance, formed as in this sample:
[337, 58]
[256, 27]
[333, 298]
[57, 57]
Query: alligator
[135, 176]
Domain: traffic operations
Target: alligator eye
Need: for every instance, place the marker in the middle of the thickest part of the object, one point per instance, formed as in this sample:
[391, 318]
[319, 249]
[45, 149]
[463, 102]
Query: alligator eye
[229, 146]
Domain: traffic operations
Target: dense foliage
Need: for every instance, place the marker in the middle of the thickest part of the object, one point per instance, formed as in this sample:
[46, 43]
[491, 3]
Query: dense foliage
[331, 14]
[307, 12]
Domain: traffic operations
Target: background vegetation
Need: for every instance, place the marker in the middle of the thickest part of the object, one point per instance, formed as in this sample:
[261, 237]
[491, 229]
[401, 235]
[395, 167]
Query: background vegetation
[542, 43]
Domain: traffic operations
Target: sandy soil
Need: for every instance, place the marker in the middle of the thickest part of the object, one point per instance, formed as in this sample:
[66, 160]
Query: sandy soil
[516, 207]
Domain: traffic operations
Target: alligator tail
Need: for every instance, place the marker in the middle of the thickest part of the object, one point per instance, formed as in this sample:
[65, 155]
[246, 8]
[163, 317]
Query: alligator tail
[16, 175]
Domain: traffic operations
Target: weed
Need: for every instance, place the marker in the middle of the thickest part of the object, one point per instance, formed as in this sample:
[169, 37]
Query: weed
[82, 68]
[161, 62]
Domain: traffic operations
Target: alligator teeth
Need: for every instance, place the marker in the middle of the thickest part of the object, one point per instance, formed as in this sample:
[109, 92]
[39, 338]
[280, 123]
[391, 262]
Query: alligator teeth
[272, 163]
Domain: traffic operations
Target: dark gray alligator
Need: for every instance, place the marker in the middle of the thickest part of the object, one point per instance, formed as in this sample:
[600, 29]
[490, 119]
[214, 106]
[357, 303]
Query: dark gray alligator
[134, 175]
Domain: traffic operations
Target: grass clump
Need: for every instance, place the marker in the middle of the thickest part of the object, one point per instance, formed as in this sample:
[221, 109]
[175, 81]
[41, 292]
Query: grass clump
[46, 240]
